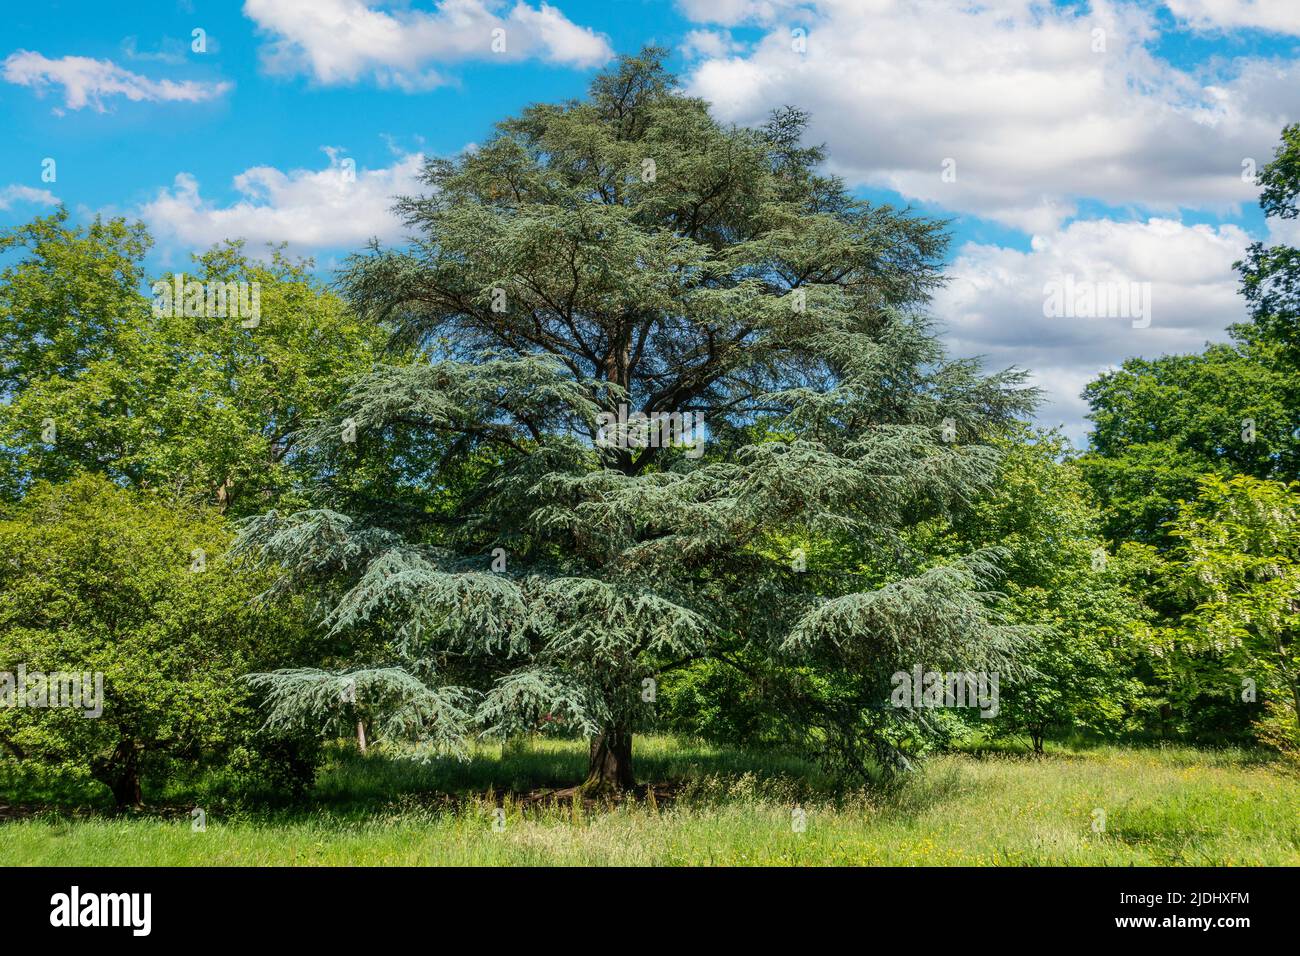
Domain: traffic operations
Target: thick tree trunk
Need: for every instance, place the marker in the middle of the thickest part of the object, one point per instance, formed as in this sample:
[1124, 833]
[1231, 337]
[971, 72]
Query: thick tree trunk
[610, 768]
[122, 776]
[126, 791]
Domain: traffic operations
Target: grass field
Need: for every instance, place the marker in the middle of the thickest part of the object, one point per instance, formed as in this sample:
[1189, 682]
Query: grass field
[1166, 805]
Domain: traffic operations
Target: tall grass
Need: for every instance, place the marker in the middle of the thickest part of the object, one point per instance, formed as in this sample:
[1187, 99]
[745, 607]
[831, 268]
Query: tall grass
[1170, 805]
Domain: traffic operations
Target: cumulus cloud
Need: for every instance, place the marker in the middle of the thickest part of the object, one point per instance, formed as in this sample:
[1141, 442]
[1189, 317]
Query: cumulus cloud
[1028, 107]
[1279, 16]
[89, 82]
[708, 43]
[12, 194]
[995, 301]
[343, 41]
[337, 207]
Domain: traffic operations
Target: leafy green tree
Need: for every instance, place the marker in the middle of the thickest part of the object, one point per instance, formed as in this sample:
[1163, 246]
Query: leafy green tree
[1270, 275]
[1159, 424]
[1238, 556]
[626, 254]
[99, 579]
[72, 296]
[1059, 579]
[99, 376]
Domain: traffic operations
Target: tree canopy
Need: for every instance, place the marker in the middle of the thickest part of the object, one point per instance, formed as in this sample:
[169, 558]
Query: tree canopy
[627, 255]
[200, 406]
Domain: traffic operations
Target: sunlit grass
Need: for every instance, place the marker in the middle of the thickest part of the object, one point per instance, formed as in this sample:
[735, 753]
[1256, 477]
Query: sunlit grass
[1178, 806]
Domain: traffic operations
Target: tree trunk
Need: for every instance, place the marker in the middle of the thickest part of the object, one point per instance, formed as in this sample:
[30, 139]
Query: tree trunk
[126, 790]
[1295, 696]
[361, 735]
[122, 776]
[610, 768]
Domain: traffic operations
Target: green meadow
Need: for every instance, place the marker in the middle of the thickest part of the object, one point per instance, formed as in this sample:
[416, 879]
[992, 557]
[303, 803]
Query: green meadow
[1074, 805]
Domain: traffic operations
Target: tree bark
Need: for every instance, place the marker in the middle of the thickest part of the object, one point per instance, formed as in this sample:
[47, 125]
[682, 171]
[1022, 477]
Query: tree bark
[610, 767]
[1295, 696]
[126, 790]
[122, 776]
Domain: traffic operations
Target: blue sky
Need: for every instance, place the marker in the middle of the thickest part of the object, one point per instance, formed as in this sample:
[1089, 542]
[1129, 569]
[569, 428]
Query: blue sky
[1100, 139]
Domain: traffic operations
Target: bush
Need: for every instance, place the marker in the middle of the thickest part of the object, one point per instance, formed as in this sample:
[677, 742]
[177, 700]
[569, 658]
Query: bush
[134, 591]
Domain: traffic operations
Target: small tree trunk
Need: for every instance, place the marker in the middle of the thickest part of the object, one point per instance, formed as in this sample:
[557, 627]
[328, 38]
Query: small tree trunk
[361, 735]
[610, 768]
[1295, 696]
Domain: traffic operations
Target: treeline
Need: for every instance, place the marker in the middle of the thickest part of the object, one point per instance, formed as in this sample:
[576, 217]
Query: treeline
[132, 438]
[384, 510]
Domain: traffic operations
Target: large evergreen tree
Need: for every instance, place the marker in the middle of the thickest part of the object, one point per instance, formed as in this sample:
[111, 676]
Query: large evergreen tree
[620, 254]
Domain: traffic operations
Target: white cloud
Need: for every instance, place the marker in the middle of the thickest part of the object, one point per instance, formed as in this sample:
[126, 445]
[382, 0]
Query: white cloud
[26, 194]
[1279, 16]
[709, 43]
[1014, 92]
[732, 12]
[89, 82]
[993, 304]
[342, 41]
[1283, 232]
[334, 207]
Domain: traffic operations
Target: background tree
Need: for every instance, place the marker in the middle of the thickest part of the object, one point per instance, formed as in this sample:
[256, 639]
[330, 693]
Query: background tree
[1160, 424]
[96, 578]
[1239, 558]
[627, 251]
[197, 406]
[1270, 275]
[1082, 602]
[72, 296]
